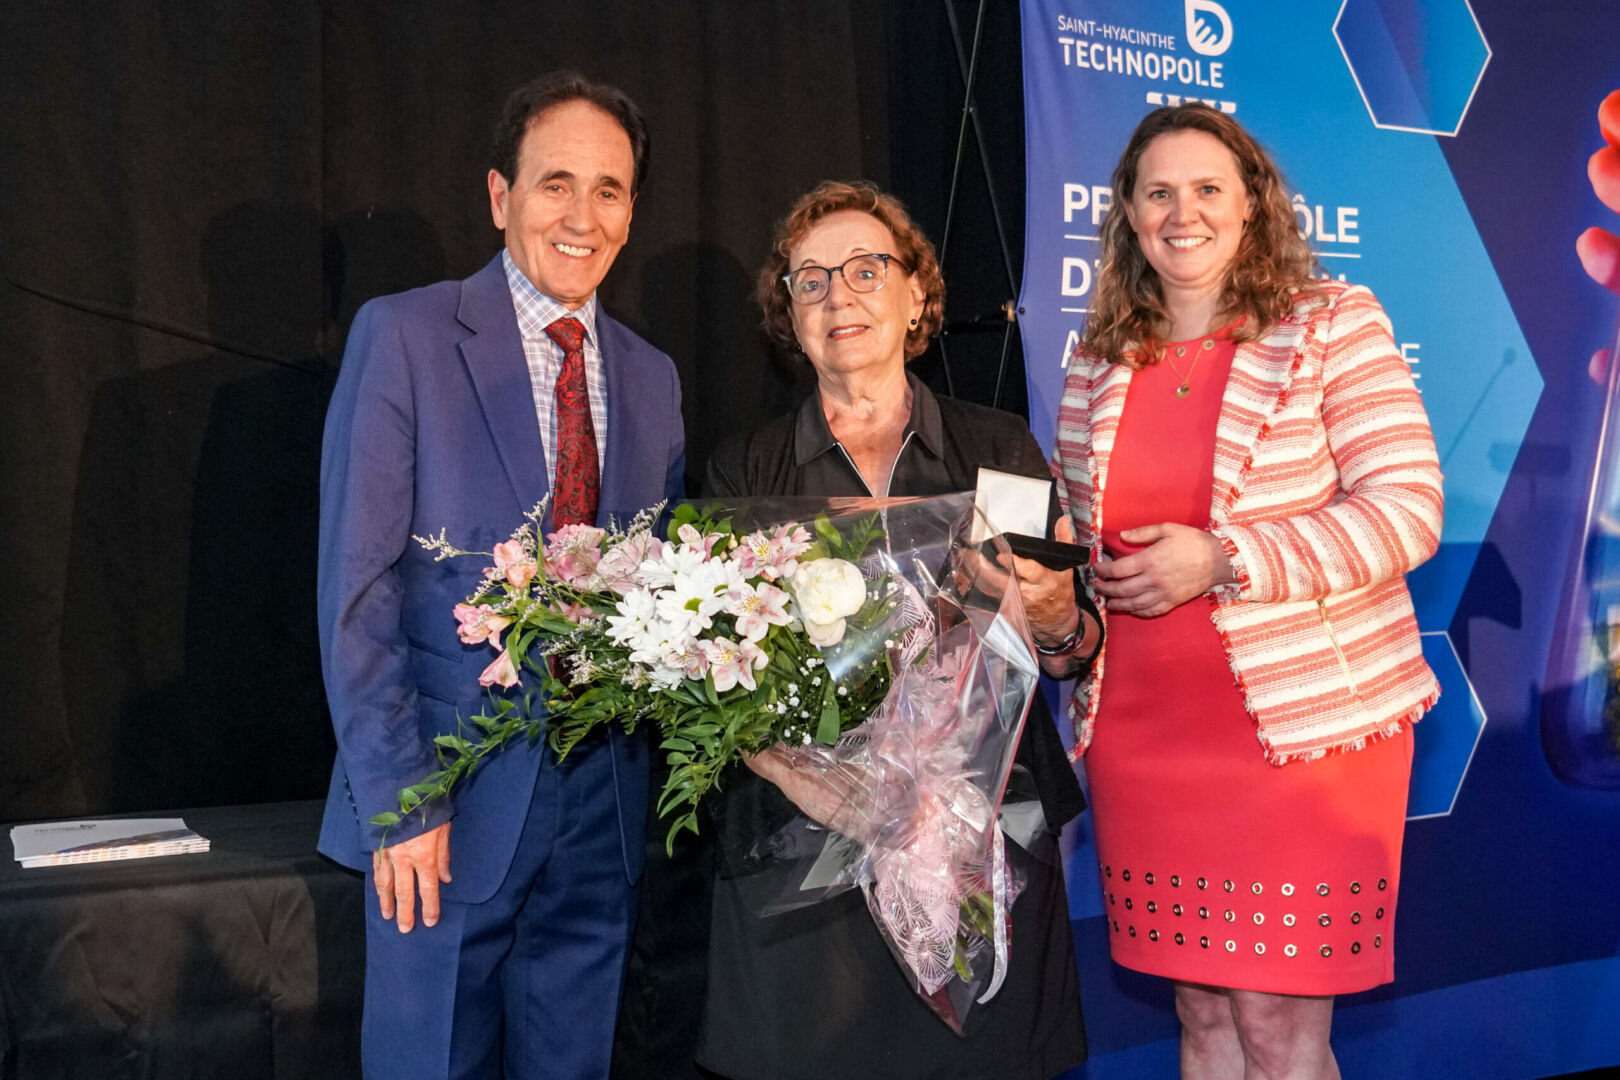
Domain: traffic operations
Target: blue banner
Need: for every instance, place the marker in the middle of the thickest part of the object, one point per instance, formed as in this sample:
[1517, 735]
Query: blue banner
[1438, 150]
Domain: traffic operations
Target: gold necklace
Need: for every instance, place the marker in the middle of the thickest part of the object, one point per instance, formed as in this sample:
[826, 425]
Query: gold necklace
[1186, 380]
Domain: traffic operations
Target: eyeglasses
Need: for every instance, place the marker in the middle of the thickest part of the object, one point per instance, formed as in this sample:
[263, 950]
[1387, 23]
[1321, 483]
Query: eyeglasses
[863, 273]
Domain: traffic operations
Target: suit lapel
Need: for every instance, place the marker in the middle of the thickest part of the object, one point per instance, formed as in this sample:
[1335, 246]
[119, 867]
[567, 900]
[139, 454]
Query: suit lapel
[619, 453]
[494, 359]
[1261, 372]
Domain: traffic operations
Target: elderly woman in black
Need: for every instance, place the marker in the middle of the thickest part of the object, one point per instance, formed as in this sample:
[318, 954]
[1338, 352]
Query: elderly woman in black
[854, 285]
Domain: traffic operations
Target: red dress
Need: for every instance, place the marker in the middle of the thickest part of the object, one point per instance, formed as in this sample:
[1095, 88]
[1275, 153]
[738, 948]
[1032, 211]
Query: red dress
[1217, 867]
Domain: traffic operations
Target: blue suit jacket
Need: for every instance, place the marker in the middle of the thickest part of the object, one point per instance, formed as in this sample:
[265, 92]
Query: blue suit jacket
[432, 426]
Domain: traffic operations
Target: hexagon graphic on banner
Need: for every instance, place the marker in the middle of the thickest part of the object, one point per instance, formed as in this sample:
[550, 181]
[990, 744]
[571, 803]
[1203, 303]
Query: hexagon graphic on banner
[1416, 62]
[1446, 739]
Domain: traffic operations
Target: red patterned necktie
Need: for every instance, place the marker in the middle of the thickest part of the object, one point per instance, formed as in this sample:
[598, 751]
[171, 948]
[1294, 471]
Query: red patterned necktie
[579, 475]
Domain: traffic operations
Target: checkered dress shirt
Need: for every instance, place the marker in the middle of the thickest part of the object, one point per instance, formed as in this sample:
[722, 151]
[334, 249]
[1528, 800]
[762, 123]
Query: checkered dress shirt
[535, 312]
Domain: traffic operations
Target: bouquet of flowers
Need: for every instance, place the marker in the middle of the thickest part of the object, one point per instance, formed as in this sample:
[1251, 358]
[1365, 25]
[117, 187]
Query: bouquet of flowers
[855, 652]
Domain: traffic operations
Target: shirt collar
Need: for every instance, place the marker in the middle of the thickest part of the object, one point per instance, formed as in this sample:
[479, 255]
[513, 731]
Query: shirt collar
[812, 437]
[536, 311]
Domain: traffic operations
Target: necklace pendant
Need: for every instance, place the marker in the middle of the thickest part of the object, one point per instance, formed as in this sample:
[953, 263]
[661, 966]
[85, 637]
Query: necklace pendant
[1183, 390]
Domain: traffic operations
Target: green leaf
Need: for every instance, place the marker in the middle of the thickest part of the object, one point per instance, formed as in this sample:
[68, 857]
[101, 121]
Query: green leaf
[827, 729]
[389, 818]
[828, 532]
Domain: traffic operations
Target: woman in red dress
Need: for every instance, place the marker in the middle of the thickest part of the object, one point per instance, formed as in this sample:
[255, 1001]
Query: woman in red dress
[1245, 451]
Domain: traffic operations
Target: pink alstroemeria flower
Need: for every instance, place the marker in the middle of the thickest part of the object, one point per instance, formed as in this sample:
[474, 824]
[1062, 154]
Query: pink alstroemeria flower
[578, 614]
[572, 553]
[502, 671]
[514, 564]
[772, 555]
[694, 539]
[757, 608]
[480, 623]
[733, 662]
[620, 568]
[689, 655]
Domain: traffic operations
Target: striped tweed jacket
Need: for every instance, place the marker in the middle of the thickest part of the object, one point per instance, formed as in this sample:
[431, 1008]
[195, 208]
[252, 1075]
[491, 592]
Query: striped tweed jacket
[1326, 491]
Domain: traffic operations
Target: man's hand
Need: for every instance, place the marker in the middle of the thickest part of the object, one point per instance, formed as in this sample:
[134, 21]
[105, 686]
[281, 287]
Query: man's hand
[407, 868]
[1177, 564]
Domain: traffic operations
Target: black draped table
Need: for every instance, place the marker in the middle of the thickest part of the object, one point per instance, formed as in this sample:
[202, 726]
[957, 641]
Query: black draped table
[244, 962]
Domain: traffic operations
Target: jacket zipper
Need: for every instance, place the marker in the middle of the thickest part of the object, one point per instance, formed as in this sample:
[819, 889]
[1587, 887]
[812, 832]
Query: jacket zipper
[1333, 639]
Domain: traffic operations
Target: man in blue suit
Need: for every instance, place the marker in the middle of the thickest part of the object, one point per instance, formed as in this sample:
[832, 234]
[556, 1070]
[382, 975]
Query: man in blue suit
[459, 407]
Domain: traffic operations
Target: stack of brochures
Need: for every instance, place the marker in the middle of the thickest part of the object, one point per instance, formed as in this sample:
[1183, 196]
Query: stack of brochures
[64, 843]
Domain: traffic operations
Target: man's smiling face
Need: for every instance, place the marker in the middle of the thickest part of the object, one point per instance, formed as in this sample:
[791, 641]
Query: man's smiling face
[566, 213]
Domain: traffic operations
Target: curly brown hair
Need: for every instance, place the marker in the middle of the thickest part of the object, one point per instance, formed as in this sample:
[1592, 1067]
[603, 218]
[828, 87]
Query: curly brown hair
[1272, 269]
[911, 248]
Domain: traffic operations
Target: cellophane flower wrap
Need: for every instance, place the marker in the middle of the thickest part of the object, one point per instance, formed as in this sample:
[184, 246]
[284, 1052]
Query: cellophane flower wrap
[871, 660]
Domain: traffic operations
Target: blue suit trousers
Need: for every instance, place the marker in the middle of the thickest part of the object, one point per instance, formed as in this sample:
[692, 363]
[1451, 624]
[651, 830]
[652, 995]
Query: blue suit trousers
[526, 984]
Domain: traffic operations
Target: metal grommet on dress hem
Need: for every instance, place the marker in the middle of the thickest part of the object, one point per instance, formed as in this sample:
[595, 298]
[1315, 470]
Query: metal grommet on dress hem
[1355, 946]
[1355, 886]
[1324, 920]
[1327, 950]
[1132, 930]
[1128, 903]
[1231, 946]
[1383, 883]
[1289, 950]
[1322, 889]
[1256, 888]
[1288, 920]
[1153, 907]
[1355, 918]
[1259, 948]
[1378, 941]
[1259, 918]
[1227, 885]
[1175, 881]
[1379, 914]
[1231, 916]
[1288, 890]
[1126, 874]
[1110, 898]
[1176, 910]
[1203, 913]
[1108, 871]
[1148, 878]
[1203, 883]
[1203, 943]
[1181, 939]
[1153, 935]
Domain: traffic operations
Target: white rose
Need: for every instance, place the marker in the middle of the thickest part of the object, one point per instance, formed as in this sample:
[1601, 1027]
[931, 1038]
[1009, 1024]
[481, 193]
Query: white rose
[828, 590]
[822, 635]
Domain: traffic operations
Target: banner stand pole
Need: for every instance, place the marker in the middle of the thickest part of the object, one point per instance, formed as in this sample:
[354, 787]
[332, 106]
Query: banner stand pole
[1006, 317]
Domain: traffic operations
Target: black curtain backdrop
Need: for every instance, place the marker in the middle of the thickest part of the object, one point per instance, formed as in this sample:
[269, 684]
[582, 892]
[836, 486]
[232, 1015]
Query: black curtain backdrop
[195, 197]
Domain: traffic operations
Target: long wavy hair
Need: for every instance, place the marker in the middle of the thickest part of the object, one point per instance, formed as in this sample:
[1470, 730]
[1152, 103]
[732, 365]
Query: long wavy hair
[911, 247]
[1129, 322]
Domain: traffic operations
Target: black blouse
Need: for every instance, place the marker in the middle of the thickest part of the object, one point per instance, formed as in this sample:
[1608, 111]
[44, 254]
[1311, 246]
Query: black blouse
[944, 444]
